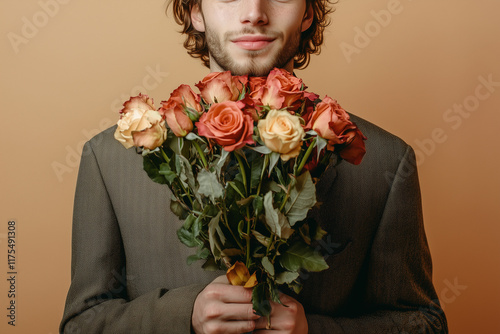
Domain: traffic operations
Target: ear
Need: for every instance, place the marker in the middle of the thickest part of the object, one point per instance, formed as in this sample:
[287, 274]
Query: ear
[197, 18]
[308, 18]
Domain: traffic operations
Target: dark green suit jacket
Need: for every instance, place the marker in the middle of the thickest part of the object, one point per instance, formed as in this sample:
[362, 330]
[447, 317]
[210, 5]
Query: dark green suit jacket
[129, 271]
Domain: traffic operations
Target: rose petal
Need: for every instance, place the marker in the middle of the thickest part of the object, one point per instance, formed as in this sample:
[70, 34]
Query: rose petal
[238, 274]
[252, 281]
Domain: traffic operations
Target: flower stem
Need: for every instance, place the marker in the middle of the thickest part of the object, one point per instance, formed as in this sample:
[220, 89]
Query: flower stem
[306, 156]
[244, 178]
[200, 152]
[164, 155]
[224, 209]
[284, 201]
[266, 162]
[271, 240]
[248, 238]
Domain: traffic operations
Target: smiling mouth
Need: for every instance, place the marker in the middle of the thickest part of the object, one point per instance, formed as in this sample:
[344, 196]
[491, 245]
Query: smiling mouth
[253, 42]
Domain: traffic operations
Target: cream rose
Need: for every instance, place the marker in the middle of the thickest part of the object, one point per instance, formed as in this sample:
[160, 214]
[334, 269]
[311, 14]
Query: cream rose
[282, 132]
[140, 124]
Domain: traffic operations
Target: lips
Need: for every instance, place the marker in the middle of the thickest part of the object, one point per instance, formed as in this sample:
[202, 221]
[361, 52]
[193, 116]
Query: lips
[253, 42]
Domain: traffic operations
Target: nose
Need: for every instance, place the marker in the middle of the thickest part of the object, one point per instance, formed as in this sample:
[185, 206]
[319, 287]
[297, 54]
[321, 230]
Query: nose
[254, 12]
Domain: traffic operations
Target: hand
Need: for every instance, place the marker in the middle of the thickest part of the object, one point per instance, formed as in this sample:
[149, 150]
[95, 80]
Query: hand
[223, 308]
[286, 320]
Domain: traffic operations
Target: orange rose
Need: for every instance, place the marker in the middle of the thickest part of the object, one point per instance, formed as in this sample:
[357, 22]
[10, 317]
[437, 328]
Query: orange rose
[281, 90]
[140, 124]
[227, 124]
[182, 108]
[221, 86]
[332, 123]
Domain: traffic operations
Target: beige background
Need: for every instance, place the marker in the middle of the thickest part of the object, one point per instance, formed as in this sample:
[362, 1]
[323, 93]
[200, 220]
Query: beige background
[64, 76]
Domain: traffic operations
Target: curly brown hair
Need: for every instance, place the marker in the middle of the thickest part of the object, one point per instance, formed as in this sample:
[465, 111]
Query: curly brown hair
[310, 39]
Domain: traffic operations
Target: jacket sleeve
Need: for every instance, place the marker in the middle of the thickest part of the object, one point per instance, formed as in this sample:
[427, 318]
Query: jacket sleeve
[399, 295]
[97, 300]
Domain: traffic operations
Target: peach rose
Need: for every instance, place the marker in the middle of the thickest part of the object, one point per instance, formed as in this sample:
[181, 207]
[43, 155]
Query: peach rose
[282, 132]
[219, 87]
[332, 123]
[140, 124]
[227, 124]
[281, 90]
[182, 108]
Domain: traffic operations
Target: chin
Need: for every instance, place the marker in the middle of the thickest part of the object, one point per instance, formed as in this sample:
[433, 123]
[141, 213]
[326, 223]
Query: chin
[253, 67]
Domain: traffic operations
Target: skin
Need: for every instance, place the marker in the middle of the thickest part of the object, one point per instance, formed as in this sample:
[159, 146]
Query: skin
[251, 36]
[224, 308]
[248, 37]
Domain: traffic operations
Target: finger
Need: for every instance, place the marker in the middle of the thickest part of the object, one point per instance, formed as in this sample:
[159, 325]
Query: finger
[221, 279]
[230, 327]
[236, 312]
[261, 324]
[229, 293]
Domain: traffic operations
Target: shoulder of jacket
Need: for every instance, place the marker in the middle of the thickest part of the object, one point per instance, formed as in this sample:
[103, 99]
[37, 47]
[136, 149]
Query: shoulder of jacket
[377, 137]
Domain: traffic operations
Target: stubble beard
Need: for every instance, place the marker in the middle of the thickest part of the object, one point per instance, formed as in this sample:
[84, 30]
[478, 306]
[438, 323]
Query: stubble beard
[253, 65]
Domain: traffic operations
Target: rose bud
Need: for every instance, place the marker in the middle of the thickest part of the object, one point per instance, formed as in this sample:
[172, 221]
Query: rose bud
[238, 274]
[182, 108]
[281, 90]
[219, 87]
[332, 123]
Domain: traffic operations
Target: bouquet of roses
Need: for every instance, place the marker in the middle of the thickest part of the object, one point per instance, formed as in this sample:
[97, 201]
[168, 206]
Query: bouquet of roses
[240, 159]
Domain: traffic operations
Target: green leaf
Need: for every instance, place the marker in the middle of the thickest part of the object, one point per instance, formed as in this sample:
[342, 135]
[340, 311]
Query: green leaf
[260, 238]
[210, 265]
[262, 149]
[245, 201]
[279, 174]
[177, 165]
[209, 185]
[295, 286]
[274, 292]
[193, 136]
[187, 238]
[178, 209]
[286, 277]
[223, 156]
[187, 172]
[201, 254]
[268, 266]
[192, 258]
[258, 205]
[189, 222]
[321, 143]
[304, 232]
[302, 198]
[273, 160]
[256, 171]
[197, 226]
[260, 302]
[213, 236]
[275, 219]
[235, 187]
[167, 172]
[150, 166]
[302, 256]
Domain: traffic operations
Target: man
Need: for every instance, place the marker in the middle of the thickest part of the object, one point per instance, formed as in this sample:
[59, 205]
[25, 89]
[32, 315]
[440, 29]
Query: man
[128, 270]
